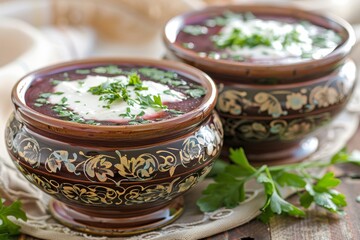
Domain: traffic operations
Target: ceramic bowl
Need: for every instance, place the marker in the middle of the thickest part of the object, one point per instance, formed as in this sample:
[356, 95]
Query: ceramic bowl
[271, 109]
[115, 180]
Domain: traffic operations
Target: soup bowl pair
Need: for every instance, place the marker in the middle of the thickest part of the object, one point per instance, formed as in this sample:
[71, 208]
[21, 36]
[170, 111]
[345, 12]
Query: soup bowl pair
[120, 179]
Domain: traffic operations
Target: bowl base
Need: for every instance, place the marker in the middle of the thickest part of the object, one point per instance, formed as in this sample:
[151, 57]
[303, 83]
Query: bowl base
[116, 226]
[277, 154]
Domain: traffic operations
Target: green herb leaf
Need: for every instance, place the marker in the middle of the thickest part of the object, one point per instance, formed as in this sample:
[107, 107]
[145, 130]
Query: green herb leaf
[326, 182]
[226, 191]
[100, 70]
[168, 92]
[45, 95]
[82, 71]
[239, 37]
[164, 77]
[323, 195]
[112, 69]
[195, 30]
[63, 100]
[218, 167]
[63, 112]
[344, 157]
[290, 179]
[228, 188]
[157, 100]
[306, 199]
[274, 201]
[175, 112]
[55, 82]
[153, 101]
[41, 100]
[196, 92]
[139, 121]
[110, 92]
[239, 158]
[7, 227]
[134, 79]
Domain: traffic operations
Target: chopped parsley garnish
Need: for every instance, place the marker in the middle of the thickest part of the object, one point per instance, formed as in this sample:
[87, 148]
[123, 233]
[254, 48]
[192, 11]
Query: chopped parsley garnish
[114, 91]
[157, 100]
[238, 38]
[64, 100]
[196, 92]
[175, 112]
[110, 92]
[168, 92]
[129, 91]
[112, 69]
[82, 71]
[195, 30]
[134, 80]
[130, 115]
[138, 121]
[64, 112]
[188, 45]
[42, 99]
[164, 77]
[55, 82]
[227, 17]
[45, 95]
[300, 39]
[153, 101]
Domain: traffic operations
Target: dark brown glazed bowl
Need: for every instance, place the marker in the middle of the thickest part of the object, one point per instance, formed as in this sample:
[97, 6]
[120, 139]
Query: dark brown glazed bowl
[272, 110]
[115, 180]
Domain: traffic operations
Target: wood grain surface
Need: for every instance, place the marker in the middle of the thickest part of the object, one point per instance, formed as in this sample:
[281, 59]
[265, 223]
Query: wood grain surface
[319, 224]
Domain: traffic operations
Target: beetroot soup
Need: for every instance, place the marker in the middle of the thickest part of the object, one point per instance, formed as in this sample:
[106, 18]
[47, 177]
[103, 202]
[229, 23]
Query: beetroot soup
[114, 95]
[262, 40]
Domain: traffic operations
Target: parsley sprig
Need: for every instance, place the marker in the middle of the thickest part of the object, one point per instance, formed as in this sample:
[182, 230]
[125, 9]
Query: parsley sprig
[164, 77]
[195, 30]
[228, 190]
[237, 38]
[7, 227]
[109, 92]
[116, 90]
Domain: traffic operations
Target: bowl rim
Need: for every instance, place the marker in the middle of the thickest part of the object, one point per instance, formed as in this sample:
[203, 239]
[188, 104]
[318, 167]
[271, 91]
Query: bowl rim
[175, 125]
[225, 66]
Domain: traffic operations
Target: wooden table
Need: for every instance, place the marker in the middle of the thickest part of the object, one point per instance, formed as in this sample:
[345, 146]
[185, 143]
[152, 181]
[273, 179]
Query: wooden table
[318, 225]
